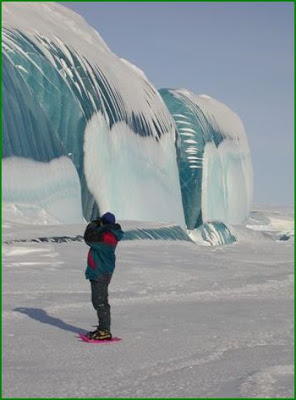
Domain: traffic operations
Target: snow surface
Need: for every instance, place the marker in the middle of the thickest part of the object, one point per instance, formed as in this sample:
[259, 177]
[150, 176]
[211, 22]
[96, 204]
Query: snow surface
[196, 321]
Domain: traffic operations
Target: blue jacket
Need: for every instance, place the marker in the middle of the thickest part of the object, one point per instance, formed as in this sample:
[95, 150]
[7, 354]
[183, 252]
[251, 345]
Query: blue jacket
[101, 256]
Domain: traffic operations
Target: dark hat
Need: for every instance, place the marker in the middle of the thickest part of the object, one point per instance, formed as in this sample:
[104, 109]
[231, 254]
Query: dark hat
[108, 218]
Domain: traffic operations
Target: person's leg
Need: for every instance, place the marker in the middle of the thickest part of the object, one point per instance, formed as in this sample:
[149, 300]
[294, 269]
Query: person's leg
[99, 291]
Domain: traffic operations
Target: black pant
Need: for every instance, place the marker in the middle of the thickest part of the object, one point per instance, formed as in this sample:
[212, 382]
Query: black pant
[99, 297]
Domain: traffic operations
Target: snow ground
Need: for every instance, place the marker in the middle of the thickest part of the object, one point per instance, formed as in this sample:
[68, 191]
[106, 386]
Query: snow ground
[195, 321]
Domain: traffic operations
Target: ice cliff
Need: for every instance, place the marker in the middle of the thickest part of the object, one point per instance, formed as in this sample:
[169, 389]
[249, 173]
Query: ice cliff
[85, 131]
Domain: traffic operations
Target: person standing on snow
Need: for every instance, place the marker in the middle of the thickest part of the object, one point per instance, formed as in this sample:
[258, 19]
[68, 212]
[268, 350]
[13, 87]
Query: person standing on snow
[102, 235]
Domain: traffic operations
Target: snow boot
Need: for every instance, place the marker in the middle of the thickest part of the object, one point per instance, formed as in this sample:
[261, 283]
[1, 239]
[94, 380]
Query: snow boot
[99, 334]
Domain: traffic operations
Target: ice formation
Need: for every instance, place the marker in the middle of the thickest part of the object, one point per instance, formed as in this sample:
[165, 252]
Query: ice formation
[214, 159]
[212, 234]
[145, 155]
[38, 190]
[71, 96]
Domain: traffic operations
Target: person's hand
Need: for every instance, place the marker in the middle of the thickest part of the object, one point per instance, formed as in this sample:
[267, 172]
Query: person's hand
[98, 222]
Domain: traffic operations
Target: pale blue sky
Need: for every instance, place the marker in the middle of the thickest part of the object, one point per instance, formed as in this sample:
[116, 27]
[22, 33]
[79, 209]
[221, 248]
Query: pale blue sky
[241, 53]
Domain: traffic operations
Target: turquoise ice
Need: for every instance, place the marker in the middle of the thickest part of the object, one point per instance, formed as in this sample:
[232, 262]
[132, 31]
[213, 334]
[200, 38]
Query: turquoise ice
[72, 106]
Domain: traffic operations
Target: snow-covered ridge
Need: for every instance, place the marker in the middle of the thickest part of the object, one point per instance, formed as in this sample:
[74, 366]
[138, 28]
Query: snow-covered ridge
[50, 26]
[220, 117]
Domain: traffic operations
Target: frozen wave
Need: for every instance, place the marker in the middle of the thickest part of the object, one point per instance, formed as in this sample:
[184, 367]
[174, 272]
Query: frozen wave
[145, 155]
[51, 194]
[135, 177]
[214, 159]
[62, 64]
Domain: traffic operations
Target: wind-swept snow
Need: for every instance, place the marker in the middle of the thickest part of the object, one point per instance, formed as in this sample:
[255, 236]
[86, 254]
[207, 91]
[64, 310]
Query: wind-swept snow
[195, 321]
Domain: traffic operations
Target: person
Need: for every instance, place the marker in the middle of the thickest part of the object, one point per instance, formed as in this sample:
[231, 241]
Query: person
[102, 236]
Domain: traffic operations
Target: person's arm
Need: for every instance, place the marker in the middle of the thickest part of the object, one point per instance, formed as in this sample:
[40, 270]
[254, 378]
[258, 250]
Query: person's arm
[93, 233]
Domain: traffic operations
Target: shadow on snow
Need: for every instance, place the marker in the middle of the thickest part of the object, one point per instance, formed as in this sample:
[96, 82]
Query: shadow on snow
[40, 315]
